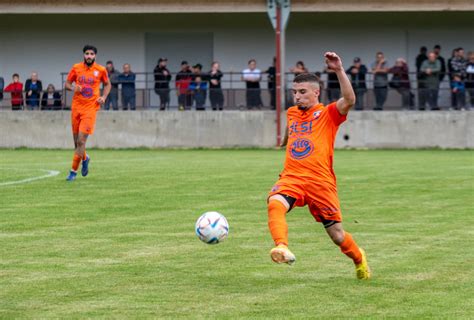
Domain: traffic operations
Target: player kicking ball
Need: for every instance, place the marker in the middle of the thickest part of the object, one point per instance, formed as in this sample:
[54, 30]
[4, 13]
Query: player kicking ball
[308, 177]
[86, 77]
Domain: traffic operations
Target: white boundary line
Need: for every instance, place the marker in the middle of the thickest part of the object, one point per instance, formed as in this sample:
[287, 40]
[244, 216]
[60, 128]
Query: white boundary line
[51, 173]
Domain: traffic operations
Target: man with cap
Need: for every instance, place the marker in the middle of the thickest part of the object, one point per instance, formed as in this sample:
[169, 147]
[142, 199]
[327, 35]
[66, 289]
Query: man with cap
[183, 80]
[357, 72]
[162, 82]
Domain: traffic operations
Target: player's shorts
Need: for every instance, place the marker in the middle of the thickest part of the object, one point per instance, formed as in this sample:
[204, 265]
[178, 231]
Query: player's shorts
[321, 198]
[83, 121]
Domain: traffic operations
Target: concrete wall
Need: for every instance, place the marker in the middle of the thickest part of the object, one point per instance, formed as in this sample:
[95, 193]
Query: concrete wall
[153, 129]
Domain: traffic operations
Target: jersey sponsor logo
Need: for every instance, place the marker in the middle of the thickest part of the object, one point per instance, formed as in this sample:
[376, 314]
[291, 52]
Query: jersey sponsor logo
[301, 148]
[305, 127]
[316, 115]
[96, 73]
[87, 92]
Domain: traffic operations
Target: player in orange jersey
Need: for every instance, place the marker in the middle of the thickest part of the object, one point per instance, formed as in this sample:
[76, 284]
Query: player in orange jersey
[84, 80]
[308, 177]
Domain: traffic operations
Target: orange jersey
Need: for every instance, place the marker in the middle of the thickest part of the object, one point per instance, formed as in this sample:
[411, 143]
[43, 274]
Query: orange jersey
[310, 148]
[89, 78]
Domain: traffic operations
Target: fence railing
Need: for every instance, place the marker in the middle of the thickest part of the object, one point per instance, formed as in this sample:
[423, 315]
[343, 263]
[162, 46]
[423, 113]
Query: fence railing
[234, 96]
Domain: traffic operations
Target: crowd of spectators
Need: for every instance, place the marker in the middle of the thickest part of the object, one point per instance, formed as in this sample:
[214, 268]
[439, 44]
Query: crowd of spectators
[193, 86]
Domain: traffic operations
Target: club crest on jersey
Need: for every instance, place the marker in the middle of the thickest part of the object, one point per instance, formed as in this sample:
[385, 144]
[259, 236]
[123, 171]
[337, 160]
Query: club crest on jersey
[316, 115]
[96, 73]
[301, 148]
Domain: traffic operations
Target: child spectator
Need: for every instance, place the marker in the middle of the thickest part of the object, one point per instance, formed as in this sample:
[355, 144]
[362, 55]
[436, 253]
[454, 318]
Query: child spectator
[459, 92]
[16, 90]
[198, 89]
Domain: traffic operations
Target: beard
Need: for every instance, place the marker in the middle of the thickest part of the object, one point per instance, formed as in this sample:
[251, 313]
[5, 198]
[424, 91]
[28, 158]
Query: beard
[89, 61]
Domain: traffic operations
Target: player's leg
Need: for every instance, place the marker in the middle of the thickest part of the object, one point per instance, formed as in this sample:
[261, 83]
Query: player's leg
[278, 207]
[348, 246]
[75, 122]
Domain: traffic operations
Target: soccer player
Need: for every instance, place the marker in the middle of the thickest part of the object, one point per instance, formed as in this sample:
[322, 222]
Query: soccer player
[308, 177]
[84, 80]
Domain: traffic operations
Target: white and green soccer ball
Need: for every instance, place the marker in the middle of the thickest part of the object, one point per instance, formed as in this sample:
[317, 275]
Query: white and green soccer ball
[212, 227]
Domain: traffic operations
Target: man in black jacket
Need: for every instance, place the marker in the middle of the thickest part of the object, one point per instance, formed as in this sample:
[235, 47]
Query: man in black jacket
[33, 89]
[162, 82]
[357, 73]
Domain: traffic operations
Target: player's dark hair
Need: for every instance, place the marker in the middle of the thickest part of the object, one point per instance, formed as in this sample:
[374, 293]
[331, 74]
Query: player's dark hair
[306, 77]
[89, 47]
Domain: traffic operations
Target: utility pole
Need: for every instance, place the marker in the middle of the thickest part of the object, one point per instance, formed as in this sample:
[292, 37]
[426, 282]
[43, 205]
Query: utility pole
[279, 13]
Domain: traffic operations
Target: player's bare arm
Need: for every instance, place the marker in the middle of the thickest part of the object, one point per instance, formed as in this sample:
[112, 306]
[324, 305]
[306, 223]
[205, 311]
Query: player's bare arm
[69, 86]
[105, 94]
[334, 63]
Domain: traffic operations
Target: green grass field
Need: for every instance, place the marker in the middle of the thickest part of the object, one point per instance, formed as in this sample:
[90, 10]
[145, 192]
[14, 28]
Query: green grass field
[121, 244]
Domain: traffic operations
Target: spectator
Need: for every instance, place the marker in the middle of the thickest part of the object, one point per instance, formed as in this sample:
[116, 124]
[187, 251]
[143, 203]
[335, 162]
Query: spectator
[420, 77]
[2, 85]
[431, 69]
[380, 71]
[299, 68]
[333, 89]
[401, 82]
[112, 98]
[357, 72]
[183, 80]
[162, 83]
[51, 99]
[127, 80]
[33, 89]
[198, 89]
[457, 65]
[437, 50]
[215, 89]
[16, 90]
[252, 77]
[470, 78]
[459, 91]
[271, 80]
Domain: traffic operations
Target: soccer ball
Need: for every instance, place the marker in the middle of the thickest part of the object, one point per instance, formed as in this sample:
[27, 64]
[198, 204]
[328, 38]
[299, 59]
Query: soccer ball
[212, 227]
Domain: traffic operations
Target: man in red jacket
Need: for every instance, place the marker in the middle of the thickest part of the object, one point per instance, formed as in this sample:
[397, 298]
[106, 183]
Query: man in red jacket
[16, 90]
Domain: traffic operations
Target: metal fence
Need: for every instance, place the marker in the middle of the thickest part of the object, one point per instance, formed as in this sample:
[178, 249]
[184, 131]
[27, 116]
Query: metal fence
[235, 96]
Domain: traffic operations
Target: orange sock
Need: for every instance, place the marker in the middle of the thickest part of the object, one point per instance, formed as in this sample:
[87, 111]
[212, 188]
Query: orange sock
[277, 222]
[76, 160]
[350, 248]
[85, 155]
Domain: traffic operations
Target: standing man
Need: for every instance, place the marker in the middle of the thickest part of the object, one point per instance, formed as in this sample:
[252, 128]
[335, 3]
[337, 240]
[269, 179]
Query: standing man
[271, 80]
[162, 83]
[215, 88]
[420, 77]
[431, 69]
[442, 61]
[84, 80]
[380, 70]
[357, 72]
[112, 99]
[252, 77]
[33, 90]
[127, 80]
[308, 177]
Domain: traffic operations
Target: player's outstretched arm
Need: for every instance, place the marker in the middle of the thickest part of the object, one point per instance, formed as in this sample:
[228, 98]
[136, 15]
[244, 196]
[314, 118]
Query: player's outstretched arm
[344, 104]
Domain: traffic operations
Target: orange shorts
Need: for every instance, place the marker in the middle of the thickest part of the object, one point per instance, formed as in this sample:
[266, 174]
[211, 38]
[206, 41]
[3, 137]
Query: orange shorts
[321, 198]
[83, 121]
